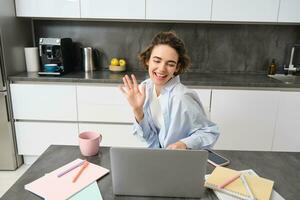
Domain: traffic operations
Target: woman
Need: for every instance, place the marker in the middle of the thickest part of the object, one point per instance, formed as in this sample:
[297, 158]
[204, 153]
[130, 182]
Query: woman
[168, 115]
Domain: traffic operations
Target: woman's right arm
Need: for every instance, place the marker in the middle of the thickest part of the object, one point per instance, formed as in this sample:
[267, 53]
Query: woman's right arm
[135, 96]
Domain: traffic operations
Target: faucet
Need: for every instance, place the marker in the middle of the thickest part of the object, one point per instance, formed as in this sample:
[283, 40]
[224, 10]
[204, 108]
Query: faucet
[291, 68]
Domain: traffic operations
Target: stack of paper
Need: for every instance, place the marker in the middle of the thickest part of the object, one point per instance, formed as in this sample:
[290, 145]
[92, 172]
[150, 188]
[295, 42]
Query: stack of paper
[260, 187]
[53, 187]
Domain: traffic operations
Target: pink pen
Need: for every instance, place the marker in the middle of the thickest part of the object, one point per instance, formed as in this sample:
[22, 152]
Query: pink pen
[230, 180]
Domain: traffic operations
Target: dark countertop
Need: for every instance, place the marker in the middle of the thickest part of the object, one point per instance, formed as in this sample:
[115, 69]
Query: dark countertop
[206, 80]
[282, 167]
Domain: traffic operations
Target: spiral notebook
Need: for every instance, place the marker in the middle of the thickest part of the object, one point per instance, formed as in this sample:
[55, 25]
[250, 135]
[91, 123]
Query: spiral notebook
[260, 187]
[223, 196]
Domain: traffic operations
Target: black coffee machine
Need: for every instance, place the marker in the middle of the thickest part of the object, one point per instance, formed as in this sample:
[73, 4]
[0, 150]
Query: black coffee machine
[56, 56]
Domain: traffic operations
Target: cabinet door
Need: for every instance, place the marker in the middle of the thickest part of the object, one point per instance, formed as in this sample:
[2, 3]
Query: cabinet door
[113, 9]
[179, 10]
[103, 104]
[48, 8]
[33, 138]
[44, 102]
[204, 95]
[246, 118]
[287, 137]
[245, 10]
[119, 135]
[289, 11]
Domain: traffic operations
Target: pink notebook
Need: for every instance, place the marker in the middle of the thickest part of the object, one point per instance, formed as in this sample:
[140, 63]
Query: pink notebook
[52, 187]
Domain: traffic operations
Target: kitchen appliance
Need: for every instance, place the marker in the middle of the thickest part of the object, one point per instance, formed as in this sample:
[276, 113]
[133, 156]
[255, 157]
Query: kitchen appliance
[56, 51]
[88, 62]
[15, 34]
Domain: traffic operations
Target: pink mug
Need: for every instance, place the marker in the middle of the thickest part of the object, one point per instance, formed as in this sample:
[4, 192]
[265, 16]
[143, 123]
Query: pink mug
[89, 143]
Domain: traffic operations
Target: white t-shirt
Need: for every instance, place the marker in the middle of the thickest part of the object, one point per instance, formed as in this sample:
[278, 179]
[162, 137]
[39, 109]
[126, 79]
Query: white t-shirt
[156, 109]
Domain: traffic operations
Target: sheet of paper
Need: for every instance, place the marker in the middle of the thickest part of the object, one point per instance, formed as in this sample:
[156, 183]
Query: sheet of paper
[91, 192]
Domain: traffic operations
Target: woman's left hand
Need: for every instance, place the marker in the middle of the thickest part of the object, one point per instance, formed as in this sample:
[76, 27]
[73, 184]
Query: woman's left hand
[177, 145]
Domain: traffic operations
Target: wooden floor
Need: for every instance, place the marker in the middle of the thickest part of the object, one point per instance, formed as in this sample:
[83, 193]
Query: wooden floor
[8, 178]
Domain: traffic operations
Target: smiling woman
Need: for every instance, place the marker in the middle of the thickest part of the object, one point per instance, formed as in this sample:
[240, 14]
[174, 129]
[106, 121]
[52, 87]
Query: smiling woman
[168, 114]
[162, 65]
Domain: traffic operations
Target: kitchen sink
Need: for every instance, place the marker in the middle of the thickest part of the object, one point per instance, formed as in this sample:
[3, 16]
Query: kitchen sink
[287, 79]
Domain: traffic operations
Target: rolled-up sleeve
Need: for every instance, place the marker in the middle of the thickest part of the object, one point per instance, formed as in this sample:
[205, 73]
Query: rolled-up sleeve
[143, 130]
[198, 131]
[202, 138]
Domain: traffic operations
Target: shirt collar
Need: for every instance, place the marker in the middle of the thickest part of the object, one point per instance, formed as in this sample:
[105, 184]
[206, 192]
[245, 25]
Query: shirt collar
[171, 83]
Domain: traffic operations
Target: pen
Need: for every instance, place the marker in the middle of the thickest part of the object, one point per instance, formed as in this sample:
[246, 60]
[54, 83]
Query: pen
[85, 164]
[230, 180]
[70, 169]
[247, 187]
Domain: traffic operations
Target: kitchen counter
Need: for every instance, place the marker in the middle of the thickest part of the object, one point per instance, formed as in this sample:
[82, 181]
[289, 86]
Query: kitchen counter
[204, 80]
[278, 166]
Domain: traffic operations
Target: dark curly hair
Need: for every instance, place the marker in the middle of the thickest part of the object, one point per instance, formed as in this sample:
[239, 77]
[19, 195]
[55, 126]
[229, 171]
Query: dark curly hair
[168, 38]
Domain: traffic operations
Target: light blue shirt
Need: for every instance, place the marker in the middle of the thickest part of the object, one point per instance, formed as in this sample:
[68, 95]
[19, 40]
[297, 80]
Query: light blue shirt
[184, 118]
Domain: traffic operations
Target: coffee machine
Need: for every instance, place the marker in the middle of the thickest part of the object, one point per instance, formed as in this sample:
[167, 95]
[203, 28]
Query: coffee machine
[56, 55]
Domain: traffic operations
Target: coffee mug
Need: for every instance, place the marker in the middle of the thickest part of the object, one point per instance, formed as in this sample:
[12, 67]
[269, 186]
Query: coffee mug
[89, 143]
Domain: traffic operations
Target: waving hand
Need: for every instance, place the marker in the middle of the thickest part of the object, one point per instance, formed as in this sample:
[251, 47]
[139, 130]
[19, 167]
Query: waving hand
[135, 95]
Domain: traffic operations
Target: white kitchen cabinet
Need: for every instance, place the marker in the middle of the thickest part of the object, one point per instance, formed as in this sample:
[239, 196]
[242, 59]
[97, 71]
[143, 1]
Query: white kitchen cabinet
[44, 102]
[33, 138]
[289, 11]
[113, 9]
[48, 8]
[179, 10]
[119, 135]
[246, 118]
[102, 104]
[287, 137]
[245, 10]
[204, 95]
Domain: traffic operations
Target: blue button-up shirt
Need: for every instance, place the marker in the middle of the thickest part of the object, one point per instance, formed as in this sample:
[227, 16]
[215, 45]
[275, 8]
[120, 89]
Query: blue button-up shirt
[184, 118]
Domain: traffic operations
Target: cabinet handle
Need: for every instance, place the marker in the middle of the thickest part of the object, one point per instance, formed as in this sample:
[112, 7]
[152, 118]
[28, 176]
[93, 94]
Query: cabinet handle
[4, 94]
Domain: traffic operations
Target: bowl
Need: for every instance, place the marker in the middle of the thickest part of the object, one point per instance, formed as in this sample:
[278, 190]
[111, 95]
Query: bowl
[117, 68]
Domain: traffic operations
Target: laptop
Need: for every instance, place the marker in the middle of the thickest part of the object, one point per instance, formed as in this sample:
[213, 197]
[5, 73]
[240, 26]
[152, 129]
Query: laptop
[158, 172]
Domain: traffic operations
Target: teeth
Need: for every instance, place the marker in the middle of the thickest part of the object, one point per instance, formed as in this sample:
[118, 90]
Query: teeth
[160, 75]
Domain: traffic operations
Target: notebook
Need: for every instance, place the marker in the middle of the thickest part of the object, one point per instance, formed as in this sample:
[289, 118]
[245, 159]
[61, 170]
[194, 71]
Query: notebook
[90, 192]
[223, 196]
[52, 187]
[158, 172]
[260, 187]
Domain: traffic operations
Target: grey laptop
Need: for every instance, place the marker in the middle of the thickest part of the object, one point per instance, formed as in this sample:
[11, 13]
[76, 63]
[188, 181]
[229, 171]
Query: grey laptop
[158, 172]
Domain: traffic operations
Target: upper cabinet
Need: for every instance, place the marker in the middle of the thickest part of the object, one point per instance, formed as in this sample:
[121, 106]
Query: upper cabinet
[245, 10]
[289, 11]
[166, 10]
[179, 10]
[113, 9]
[48, 8]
